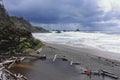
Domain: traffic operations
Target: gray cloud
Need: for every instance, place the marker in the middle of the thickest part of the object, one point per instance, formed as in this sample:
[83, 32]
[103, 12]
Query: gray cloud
[90, 14]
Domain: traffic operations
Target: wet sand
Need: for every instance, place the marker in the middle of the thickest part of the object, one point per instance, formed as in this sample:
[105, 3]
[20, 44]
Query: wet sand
[62, 70]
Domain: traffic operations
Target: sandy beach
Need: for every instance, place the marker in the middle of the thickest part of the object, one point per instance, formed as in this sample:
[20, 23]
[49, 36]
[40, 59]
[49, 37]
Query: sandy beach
[91, 58]
[62, 70]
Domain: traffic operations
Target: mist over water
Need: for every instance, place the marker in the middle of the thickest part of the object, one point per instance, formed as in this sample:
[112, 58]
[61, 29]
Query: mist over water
[102, 41]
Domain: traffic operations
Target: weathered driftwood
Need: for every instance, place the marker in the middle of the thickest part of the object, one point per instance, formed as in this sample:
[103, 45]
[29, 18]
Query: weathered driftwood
[12, 63]
[64, 59]
[71, 62]
[76, 63]
[43, 57]
[4, 73]
[102, 73]
[55, 56]
[109, 74]
[16, 77]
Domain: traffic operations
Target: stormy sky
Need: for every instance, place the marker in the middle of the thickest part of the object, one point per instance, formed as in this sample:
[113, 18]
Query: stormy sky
[68, 14]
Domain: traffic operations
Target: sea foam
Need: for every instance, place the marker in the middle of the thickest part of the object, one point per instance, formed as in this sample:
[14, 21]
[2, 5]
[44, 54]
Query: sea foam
[102, 41]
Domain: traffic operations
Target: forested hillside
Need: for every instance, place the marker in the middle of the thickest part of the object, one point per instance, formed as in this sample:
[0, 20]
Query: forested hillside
[24, 24]
[13, 39]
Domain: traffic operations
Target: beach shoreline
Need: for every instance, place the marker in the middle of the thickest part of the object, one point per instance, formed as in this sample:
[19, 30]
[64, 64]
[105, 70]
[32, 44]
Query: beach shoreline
[89, 50]
[89, 58]
[51, 69]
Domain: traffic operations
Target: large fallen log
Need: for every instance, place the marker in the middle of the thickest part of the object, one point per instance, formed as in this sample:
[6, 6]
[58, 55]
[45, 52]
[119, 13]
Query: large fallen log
[109, 74]
[102, 73]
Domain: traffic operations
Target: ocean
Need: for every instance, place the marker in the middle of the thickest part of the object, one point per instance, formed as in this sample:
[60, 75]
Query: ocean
[102, 41]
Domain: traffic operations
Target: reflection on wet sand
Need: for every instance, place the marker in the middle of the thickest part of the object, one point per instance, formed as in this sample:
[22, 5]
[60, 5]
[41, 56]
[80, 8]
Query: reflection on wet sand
[49, 70]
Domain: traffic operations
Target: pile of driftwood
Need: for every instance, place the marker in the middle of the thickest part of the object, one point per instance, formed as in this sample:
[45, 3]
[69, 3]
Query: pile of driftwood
[102, 73]
[5, 74]
[88, 71]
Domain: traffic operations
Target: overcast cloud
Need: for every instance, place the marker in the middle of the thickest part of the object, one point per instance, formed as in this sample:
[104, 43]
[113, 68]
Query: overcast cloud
[86, 14]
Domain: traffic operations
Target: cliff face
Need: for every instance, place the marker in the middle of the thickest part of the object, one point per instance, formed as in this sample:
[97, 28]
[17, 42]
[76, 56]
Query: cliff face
[12, 38]
[24, 24]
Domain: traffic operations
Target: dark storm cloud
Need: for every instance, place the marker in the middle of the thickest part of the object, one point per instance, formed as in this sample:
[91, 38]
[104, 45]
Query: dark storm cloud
[52, 10]
[88, 13]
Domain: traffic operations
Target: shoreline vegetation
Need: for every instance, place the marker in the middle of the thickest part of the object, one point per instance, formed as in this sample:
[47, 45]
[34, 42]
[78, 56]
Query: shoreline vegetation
[16, 39]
